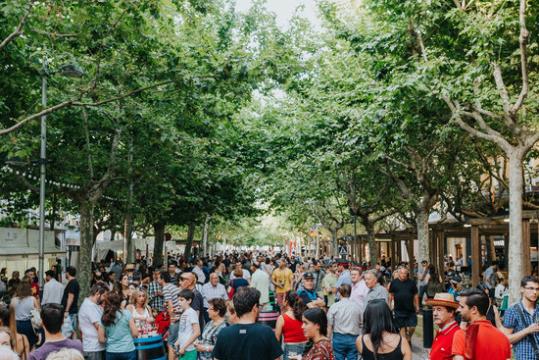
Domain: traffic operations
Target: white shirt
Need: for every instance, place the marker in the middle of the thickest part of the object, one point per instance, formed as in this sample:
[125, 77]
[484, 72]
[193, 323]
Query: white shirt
[200, 274]
[209, 292]
[261, 282]
[89, 314]
[185, 329]
[359, 294]
[52, 292]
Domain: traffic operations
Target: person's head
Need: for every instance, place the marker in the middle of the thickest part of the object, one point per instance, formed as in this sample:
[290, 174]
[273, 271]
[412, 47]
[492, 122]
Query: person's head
[529, 288]
[112, 304]
[216, 309]
[315, 323]
[124, 282]
[139, 298]
[172, 268]
[52, 316]
[214, 279]
[345, 290]
[403, 274]
[15, 275]
[164, 278]
[355, 274]
[295, 303]
[188, 280]
[232, 316]
[282, 264]
[199, 263]
[246, 301]
[30, 273]
[24, 289]
[155, 275]
[71, 272]
[316, 265]
[49, 275]
[6, 337]
[185, 298]
[238, 272]
[377, 319]
[443, 315]
[308, 281]
[473, 305]
[65, 354]
[98, 291]
[371, 278]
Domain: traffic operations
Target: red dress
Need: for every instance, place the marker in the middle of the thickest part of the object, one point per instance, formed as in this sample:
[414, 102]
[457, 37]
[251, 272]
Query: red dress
[321, 350]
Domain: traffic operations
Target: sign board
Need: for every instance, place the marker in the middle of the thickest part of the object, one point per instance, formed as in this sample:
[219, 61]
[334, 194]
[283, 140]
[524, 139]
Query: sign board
[343, 250]
[25, 241]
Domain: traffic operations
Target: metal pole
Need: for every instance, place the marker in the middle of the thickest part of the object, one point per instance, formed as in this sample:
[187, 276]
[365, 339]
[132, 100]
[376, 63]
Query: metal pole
[42, 161]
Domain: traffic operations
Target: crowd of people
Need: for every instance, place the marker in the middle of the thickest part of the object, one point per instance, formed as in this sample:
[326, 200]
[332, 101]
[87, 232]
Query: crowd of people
[262, 306]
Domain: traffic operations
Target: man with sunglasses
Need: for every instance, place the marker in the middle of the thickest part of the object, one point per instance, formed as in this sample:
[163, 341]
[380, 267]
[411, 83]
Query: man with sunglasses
[521, 321]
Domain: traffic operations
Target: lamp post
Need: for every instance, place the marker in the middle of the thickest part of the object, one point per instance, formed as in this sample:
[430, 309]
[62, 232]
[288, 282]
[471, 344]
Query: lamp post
[69, 70]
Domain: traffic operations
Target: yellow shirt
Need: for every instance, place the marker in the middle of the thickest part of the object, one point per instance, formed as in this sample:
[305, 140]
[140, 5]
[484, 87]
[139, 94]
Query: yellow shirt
[282, 278]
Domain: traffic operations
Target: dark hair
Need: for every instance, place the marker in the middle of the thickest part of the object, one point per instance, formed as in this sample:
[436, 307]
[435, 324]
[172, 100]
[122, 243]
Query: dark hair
[526, 279]
[113, 303]
[71, 271]
[52, 316]
[165, 276]
[245, 299]
[187, 294]
[219, 305]
[317, 316]
[345, 290]
[99, 288]
[24, 289]
[4, 315]
[377, 319]
[296, 303]
[50, 273]
[477, 298]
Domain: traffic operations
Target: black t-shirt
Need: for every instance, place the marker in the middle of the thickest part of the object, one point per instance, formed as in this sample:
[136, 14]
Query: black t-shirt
[73, 288]
[403, 292]
[198, 305]
[247, 342]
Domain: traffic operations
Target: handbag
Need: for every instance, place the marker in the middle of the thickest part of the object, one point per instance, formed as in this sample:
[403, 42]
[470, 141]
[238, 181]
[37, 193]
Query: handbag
[36, 319]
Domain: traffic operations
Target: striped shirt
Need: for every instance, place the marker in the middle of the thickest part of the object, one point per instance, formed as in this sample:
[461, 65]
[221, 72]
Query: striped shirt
[170, 293]
[209, 338]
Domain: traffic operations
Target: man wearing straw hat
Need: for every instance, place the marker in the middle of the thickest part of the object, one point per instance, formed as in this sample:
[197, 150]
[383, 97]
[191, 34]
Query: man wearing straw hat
[444, 308]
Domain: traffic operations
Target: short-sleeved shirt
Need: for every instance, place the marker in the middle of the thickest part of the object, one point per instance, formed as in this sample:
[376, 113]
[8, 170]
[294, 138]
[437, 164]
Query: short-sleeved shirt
[170, 293]
[89, 314]
[282, 277]
[378, 292]
[72, 287]
[513, 320]
[404, 293]
[198, 305]
[491, 343]
[443, 343]
[209, 338]
[185, 329]
[247, 342]
[119, 337]
[53, 346]
[307, 295]
[345, 317]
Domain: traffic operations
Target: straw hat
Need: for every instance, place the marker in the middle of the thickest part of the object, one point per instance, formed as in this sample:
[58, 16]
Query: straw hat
[443, 299]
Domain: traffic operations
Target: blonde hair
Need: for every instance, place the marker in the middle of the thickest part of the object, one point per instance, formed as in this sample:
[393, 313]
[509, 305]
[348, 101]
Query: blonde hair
[66, 354]
[134, 297]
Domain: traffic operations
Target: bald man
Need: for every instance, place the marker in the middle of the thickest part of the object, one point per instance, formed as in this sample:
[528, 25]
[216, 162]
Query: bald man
[188, 280]
[406, 303]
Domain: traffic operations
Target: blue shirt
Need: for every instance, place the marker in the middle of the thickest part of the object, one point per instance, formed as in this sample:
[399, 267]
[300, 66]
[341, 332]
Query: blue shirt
[119, 337]
[523, 349]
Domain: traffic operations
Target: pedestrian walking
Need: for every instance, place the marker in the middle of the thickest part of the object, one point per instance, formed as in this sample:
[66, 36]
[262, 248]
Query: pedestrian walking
[70, 299]
[344, 325]
[381, 338]
[444, 308]
[376, 291]
[282, 278]
[24, 304]
[403, 294]
[289, 325]
[315, 325]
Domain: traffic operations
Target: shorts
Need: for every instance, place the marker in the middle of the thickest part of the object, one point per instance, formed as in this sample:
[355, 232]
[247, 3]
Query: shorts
[189, 355]
[405, 320]
[173, 333]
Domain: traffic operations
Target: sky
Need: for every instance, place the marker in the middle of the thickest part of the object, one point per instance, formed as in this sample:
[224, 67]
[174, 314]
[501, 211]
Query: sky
[284, 9]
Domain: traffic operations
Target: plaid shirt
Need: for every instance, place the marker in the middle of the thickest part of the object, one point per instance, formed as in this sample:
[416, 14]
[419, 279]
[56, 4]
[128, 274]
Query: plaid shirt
[523, 350]
[155, 301]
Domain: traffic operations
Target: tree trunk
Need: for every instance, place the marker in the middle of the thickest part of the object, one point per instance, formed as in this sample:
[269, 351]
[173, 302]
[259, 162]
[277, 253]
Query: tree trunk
[373, 249]
[422, 223]
[335, 249]
[130, 255]
[190, 236]
[84, 275]
[205, 235]
[129, 246]
[516, 251]
[158, 244]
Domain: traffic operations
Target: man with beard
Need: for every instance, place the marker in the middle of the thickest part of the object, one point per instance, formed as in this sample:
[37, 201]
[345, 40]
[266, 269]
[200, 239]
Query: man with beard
[444, 309]
[520, 321]
[481, 340]
[91, 328]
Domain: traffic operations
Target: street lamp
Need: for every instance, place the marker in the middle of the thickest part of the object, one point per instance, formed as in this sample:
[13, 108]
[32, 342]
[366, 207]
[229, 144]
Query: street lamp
[69, 70]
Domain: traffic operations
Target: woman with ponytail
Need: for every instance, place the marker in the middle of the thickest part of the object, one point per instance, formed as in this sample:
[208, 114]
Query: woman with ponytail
[315, 328]
[120, 329]
[289, 325]
[381, 339]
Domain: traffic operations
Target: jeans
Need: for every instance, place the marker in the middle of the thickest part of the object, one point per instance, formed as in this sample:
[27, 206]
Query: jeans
[344, 346]
[131, 355]
[94, 355]
[292, 348]
[173, 333]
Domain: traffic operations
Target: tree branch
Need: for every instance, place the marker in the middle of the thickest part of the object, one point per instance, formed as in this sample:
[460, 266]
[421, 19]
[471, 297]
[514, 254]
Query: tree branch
[523, 40]
[502, 90]
[18, 30]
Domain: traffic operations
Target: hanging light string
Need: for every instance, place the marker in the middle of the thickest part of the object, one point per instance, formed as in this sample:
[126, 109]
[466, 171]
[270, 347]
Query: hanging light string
[57, 184]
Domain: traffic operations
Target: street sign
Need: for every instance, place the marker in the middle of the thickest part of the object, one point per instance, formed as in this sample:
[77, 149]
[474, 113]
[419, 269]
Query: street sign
[343, 250]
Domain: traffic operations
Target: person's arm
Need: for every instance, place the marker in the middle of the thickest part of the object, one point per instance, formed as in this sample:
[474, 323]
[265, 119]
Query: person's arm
[70, 298]
[36, 304]
[359, 344]
[416, 302]
[279, 328]
[100, 333]
[406, 349]
[516, 337]
[133, 328]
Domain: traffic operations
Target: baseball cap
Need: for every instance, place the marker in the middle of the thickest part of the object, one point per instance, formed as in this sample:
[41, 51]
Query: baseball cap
[308, 275]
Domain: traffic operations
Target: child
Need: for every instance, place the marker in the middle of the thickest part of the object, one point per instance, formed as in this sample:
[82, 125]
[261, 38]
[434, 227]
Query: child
[189, 329]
